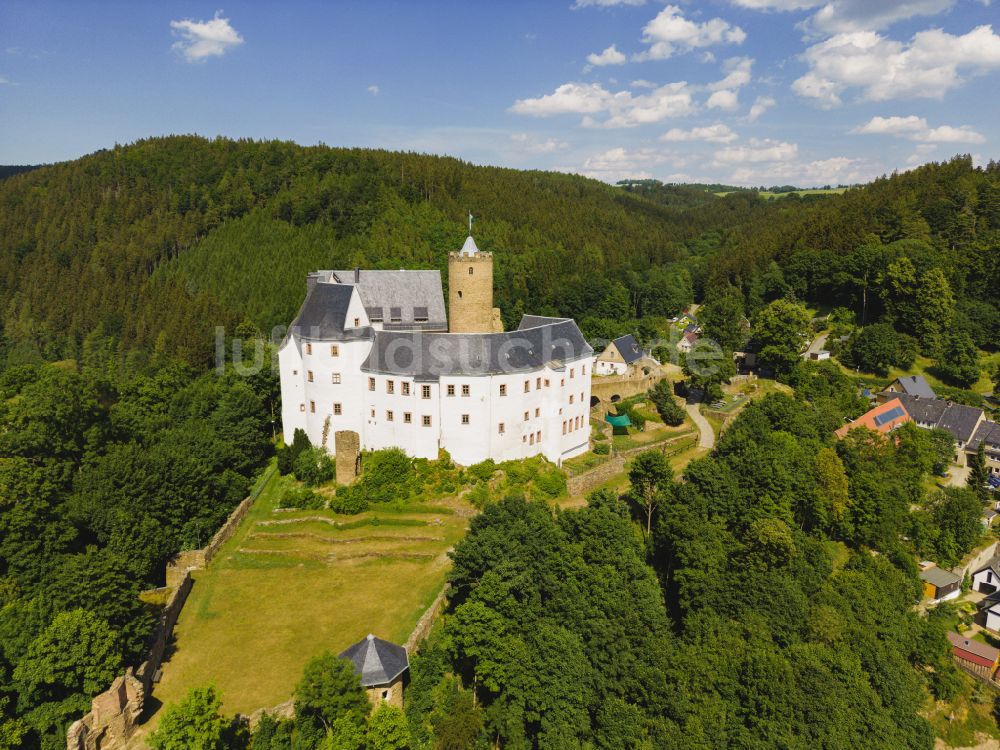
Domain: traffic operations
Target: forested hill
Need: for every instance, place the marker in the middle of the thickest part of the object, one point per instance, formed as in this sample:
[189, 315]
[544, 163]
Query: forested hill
[151, 245]
[146, 248]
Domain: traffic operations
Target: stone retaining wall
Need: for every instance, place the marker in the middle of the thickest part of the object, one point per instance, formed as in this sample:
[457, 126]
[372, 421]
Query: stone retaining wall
[583, 483]
[976, 560]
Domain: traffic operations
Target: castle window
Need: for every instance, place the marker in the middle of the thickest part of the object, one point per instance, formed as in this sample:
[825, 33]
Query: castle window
[546, 382]
[309, 376]
[526, 416]
[334, 350]
[562, 382]
[373, 413]
[503, 389]
[571, 372]
[335, 378]
[407, 417]
[527, 386]
[388, 415]
[357, 322]
[465, 390]
[538, 383]
[451, 390]
[581, 397]
[425, 391]
[426, 420]
[465, 419]
[312, 406]
[538, 438]
[336, 410]
[371, 384]
[583, 370]
[295, 372]
[500, 428]
[538, 412]
[309, 348]
[460, 294]
[302, 407]
[470, 270]
[571, 398]
[524, 438]
[390, 386]
[564, 427]
[531, 439]
[406, 388]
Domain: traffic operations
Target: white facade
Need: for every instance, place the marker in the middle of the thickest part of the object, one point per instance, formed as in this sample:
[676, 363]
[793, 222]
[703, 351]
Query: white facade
[329, 383]
[604, 367]
[992, 619]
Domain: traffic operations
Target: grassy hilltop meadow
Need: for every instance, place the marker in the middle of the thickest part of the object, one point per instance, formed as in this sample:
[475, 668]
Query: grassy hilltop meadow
[765, 596]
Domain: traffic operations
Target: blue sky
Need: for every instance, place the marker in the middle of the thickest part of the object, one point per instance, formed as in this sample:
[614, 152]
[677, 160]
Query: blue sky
[807, 92]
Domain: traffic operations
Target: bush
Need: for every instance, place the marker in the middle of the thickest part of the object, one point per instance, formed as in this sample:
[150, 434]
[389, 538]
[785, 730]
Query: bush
[348, 502]
[384, 475]
[668, 409]
[479, 496]
[289, 453]
[302, 498]
[552, 482]
[314, 467]
[484, 470]
[602, 449]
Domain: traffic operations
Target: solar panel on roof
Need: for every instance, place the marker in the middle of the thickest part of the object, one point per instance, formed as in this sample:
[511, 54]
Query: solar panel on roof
[893, 413]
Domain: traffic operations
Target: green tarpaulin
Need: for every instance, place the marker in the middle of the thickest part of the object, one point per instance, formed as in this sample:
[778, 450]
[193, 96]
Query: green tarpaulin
[616, 420]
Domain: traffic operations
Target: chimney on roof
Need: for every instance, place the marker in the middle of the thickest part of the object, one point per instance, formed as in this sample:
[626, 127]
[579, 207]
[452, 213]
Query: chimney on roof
[357, 274]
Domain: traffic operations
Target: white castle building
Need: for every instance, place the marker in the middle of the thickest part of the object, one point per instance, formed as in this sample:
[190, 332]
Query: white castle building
[372, 352]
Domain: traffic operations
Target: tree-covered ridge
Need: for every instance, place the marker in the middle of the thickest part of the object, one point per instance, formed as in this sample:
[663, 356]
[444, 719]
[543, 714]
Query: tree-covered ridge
[772, 605]
[104, 477]
[96, 247]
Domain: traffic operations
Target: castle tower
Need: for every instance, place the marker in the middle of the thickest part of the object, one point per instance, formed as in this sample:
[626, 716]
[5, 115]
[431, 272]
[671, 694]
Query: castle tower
[470, 291]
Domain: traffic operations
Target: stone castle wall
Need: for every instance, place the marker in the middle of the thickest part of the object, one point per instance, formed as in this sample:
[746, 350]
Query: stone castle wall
[347, 446]
[470, 296]
[112, 718]
[583, 483]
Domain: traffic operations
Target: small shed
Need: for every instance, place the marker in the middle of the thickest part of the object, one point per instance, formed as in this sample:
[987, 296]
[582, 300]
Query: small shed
[975, 656]
[382, 666]
[940, 584]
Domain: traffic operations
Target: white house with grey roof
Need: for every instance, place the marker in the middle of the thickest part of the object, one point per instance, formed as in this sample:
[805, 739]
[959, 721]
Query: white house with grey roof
[618, 356]
[372, 352]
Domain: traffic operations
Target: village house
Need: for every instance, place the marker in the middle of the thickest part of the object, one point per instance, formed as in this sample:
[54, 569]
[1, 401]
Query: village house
[974, 656]
[618, 356]
[382, 667]
[986, 580]
[911, 385]
[884, 418]
[940, 585]
[372, 354]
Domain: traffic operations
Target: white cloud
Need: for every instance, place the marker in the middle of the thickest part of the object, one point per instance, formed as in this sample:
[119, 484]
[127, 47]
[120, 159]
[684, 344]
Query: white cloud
[604, 3]
[723, 99]
[920, 154]
[949, 134]
[621, 163]
[737, 74]
[759, 107]
[838, 16]
[928, 66]
[527, 144]
[893, 125]
[916, 129]
[642, 83]
[373, 89]
[757, 151]
[203, 39]
[624, 108]
[5, 81]
[836, 170]
[717, 133]
[669, 32]
[610, 56]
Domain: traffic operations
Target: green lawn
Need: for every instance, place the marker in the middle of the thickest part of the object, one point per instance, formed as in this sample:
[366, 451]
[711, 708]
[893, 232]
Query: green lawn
[292, 584]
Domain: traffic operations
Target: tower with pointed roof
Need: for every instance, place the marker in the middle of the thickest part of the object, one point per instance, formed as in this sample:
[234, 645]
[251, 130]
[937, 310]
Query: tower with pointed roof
[470, 291]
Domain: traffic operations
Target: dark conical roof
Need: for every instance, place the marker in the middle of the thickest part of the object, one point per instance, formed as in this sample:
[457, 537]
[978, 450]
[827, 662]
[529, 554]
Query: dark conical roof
[375, 661]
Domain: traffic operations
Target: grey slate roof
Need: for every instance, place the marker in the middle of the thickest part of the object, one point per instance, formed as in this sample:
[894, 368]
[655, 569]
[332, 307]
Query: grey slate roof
[958, 419]
[537, 342]
[916, 385]
[375, 661]
[628, 347]
[405, 290]
[988, 432]
[993, 564]
[323, 313]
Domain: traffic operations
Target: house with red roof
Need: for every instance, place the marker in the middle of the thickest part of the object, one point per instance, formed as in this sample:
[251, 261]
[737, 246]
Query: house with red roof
[884, 418]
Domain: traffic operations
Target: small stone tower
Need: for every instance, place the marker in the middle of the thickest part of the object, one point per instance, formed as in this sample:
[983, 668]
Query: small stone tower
[470, 291]
[347, 444]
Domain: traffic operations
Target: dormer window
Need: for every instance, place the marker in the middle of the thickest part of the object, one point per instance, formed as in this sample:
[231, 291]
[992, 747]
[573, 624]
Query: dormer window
[357, 322]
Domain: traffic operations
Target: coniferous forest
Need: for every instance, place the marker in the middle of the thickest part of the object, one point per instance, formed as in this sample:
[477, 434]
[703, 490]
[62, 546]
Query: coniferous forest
[771, 603]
